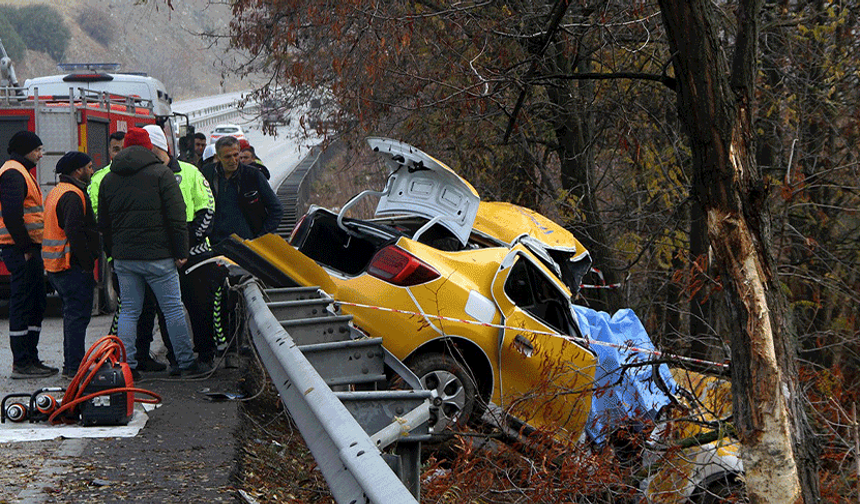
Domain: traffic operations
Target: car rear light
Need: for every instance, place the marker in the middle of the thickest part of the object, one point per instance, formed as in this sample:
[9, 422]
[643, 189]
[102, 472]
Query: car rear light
[395, 265]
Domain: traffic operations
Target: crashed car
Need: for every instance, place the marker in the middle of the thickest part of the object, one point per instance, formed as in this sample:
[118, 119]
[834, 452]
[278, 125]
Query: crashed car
[482, 325]
[475, 297]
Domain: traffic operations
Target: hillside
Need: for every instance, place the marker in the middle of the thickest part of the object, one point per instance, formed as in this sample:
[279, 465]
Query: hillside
[146, 38]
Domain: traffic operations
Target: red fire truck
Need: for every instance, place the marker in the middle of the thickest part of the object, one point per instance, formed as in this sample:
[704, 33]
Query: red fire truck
[78, 110]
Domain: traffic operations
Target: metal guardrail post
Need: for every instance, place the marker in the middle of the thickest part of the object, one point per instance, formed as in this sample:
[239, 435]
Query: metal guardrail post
[350, 461]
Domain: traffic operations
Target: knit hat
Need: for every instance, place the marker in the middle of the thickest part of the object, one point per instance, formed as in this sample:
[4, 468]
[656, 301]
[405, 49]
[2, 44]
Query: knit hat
[156, 136]
[136, 136]
[23, 143]
[243, 144]
[71, 161]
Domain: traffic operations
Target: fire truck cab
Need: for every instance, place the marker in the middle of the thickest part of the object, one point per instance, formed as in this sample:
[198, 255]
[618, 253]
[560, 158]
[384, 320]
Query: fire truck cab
[78, 110]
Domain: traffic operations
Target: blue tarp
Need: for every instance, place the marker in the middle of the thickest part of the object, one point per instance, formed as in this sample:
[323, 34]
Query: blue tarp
[621, 394]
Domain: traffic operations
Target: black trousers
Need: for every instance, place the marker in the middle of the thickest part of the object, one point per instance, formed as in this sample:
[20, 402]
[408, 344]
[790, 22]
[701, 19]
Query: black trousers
[27, 302]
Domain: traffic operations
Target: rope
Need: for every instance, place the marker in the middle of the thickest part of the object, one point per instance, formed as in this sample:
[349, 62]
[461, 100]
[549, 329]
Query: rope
[573, 339]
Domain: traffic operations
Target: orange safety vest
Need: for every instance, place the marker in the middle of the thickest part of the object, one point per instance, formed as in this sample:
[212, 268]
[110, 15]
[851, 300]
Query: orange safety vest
[56, 253]
[34, 216]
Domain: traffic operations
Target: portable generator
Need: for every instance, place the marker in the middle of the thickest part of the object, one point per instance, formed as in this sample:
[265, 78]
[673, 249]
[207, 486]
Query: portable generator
[102, 392]
[115, 408]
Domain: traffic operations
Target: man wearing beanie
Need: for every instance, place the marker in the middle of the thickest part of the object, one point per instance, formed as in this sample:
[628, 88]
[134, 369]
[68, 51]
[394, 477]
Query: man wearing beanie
[70, 247]
[21, 226]
[198, 287]
[142, 219]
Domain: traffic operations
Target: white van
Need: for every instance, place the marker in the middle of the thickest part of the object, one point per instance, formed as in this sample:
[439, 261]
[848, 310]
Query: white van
[101, 77]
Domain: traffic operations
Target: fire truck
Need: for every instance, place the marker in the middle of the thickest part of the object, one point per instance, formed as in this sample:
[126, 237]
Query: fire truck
[78, 110]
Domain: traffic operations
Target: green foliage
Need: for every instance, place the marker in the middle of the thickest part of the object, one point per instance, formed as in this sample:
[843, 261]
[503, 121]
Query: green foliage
[41, 28]
[15, 47]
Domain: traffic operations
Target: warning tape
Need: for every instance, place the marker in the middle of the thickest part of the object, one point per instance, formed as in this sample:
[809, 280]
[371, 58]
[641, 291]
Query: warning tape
[574, 339]
[607, 286]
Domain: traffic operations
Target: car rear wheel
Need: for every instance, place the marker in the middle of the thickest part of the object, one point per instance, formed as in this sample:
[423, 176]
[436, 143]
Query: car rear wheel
[454, 391]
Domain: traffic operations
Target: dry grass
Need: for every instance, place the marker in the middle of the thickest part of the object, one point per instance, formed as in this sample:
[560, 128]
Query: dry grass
[275, 465]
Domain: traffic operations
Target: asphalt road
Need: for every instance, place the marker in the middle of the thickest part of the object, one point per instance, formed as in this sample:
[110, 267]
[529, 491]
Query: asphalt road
[280, 153]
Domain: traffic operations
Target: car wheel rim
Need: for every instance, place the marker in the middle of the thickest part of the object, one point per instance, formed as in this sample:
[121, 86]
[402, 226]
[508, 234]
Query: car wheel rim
[448, 397]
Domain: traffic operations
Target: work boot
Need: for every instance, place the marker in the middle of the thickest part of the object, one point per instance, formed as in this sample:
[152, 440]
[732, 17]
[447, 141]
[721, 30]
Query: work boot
[31, 371]
[41, 365]
[148, 364]
[196, 368]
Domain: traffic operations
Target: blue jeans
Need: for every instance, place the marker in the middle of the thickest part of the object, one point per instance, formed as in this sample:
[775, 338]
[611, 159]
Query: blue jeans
[163, 279]
[27, 303]
[75, 287]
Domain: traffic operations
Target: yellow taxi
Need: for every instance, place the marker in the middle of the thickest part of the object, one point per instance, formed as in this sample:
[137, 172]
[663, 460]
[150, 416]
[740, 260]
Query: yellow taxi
[475, 297]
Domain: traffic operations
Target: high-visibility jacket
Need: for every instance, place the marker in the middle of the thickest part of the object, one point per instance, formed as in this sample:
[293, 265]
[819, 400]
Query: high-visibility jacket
[199, 206]
[195, 190]
[34, 213]
[56, 252]
[93, 189]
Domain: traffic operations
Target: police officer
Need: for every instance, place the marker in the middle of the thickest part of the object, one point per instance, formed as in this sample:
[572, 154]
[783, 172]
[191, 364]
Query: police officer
[21, 228]
[70, 247]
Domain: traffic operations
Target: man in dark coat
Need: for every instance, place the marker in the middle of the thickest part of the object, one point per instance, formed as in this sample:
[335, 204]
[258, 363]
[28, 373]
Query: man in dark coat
[244, 201]
[21, 225]
[142, 218]
[70, 247]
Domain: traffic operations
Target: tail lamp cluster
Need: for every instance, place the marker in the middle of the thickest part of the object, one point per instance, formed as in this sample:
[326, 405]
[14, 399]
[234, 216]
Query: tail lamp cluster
[396, 266]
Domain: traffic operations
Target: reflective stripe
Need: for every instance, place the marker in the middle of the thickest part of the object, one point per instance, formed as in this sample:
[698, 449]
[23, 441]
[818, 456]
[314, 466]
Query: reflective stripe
[55, 255]
[34, 209]
[34, 328]
[28, 226]
[17, 333]
[54, 243]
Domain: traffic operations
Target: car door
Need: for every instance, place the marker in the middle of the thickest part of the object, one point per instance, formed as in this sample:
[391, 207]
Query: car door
[544, 371]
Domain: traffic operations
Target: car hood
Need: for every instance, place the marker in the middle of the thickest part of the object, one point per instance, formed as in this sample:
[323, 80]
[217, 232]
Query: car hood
[421, 185]
[509, 223]
[512, 224]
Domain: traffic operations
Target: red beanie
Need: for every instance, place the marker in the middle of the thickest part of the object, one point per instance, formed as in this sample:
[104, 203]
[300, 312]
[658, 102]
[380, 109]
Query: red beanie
[243, 144]
[137, 136]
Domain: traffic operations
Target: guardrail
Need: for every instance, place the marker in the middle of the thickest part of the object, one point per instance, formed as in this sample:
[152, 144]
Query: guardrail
[294, 191]
[309, 350]
[225, 111]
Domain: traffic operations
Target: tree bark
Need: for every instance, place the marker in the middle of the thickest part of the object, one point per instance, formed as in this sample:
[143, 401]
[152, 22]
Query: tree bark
[715, 103]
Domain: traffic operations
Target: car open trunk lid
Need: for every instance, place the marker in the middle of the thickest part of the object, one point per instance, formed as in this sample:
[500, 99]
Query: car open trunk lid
[421, 185]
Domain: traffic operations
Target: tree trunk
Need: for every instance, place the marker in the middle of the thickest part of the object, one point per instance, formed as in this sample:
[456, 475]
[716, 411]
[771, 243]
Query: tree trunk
[716, 107]
[574, 133]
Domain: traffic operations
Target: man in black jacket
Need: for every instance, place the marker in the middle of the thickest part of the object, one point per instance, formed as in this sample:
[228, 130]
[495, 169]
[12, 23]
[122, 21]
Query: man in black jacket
[70, 247]
[21, 225]
[142, 217]
[244, 201]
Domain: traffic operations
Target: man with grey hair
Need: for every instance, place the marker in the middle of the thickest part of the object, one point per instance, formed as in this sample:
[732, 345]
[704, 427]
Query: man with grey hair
[244, 201]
